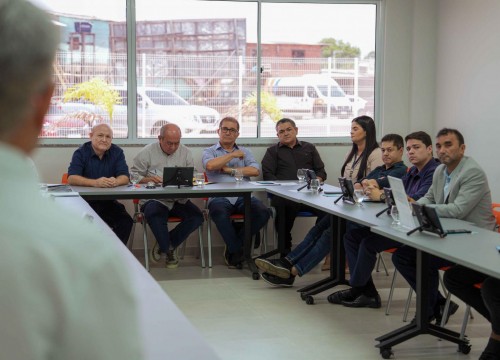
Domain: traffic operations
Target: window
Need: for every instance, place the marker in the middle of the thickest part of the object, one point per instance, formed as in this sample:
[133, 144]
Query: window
[198, 61]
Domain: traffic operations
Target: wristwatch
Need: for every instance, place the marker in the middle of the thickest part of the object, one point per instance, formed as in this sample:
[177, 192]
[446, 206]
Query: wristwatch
[382, 197]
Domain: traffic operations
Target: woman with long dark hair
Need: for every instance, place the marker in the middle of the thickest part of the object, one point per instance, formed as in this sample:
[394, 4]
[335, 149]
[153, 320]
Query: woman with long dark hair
[357, 164]
[364, 155]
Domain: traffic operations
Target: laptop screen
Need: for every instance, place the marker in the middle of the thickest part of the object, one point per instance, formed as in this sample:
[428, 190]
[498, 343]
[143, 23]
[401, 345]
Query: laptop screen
[178, 176]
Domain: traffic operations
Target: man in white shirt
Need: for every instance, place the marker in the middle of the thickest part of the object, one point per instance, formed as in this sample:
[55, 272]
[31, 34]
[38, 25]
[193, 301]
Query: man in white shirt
[66, 293]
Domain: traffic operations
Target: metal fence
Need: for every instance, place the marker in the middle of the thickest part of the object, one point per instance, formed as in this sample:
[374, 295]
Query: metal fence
[295, 87]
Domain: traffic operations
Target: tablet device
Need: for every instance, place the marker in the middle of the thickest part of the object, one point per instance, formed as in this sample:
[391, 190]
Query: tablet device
[178, 176]
[347, 190]
[429, 221]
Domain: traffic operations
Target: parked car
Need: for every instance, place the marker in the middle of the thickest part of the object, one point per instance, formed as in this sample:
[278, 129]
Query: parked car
[155, 108]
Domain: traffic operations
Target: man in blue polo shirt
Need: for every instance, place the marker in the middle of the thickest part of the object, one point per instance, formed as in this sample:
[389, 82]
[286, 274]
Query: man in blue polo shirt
[362, 246]
[99, 163]
[221, 162]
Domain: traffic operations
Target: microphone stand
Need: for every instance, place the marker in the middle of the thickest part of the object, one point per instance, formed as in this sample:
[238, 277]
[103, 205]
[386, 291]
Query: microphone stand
[386, 209]
[178, 179]
[337, 200]
[419, 228]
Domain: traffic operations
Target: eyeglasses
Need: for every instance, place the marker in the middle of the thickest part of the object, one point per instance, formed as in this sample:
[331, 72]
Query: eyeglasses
[170, 143]
[229, 130]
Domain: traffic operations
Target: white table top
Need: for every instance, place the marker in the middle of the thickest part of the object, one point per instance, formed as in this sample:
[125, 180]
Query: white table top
[476, 251]
[166, 332]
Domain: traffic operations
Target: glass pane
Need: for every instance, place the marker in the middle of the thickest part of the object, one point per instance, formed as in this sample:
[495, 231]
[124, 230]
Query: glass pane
[318, 65]
[192, 66]
[87, 69]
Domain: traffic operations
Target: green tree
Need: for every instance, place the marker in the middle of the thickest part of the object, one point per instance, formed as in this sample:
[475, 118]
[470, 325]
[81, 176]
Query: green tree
[338, 49]
[96, 91]
[268, 105]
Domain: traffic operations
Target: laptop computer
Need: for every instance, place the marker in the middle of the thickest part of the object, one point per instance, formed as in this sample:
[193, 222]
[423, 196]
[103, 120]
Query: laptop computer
[178, 176]
[402, 203]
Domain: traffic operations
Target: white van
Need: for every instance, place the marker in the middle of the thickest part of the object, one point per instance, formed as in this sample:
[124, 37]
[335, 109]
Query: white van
[309, 96]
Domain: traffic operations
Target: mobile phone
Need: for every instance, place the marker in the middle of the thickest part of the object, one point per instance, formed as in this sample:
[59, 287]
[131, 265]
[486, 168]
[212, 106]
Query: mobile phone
[458, 231]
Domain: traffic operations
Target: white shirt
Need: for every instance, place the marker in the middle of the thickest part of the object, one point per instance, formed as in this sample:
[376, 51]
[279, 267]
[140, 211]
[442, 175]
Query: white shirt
[65, 291]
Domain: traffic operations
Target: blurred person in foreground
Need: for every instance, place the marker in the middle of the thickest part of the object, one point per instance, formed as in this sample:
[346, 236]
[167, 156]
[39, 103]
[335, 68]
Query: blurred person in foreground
[66, 293]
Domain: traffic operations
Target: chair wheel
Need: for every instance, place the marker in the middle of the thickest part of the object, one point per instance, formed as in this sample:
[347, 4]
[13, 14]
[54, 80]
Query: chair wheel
[255, 276]
[303, 296]
[239, 266]
[464, 348]
[386, 353]
[309, 300]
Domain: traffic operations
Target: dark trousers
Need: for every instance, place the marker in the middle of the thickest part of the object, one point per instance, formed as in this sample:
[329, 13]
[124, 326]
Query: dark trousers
[291, 209]
[405, 261]
[221, 208]
[157, 213]
[114, 214]
[361, 248]
[460, 281]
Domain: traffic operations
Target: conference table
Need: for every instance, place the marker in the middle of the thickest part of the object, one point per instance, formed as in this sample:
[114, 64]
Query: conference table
[162, 326]
[229, 189]
[476, 251]
[480, 255]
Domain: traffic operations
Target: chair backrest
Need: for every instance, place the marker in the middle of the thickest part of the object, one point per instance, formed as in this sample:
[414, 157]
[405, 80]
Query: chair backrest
[496, 211]
[64, 178]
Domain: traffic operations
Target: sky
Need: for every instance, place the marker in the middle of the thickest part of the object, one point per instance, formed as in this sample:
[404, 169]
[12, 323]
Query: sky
[281, 22]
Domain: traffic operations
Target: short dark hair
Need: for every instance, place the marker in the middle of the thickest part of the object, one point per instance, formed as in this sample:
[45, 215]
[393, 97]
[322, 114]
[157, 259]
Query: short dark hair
[395, 139]
[458, 134]
[230, 119]
[420, 135]
[285, 120]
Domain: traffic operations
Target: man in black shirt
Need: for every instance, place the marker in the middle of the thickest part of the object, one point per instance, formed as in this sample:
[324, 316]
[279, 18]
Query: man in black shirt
[281, 162]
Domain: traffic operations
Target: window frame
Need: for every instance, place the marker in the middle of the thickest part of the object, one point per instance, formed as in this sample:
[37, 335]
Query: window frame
[133, 140]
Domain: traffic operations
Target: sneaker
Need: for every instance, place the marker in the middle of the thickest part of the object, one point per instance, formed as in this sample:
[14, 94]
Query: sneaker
[277, 281]
[172, 261]
[155, 253]
[277, 267]
[233, 261]
[339, 296]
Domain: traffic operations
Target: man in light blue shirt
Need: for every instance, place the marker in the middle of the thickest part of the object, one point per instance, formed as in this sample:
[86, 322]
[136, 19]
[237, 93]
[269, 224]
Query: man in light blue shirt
[221, 161]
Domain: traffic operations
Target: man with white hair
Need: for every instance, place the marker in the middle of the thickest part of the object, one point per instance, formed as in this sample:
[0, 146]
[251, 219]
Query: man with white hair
[66, 293]
[99, 163]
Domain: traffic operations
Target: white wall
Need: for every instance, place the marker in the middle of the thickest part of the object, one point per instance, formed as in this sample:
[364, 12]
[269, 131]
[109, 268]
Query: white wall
[468, 78]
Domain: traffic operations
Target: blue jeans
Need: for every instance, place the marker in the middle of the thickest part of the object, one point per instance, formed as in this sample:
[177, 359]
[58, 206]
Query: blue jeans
[361, 248]
[157, 214]
[315, 246]
[220, 209]
[405, 261]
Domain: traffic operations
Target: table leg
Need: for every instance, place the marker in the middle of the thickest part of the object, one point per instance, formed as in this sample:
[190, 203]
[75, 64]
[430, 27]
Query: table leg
[421, 324]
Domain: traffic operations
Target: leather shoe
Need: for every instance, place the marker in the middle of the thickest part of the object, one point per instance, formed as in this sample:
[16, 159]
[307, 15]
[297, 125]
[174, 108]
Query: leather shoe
[339, 296]
[451, 310]
[364, 301]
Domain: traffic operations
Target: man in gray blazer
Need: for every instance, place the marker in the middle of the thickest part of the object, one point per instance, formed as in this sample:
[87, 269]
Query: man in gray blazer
[459, 190]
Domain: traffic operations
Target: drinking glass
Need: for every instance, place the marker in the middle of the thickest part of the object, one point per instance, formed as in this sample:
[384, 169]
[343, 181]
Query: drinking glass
[200, 179]
[301, 175]
[395, 216]
[359, 196]
[315, 185]
[134, 178]
[238, 176]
